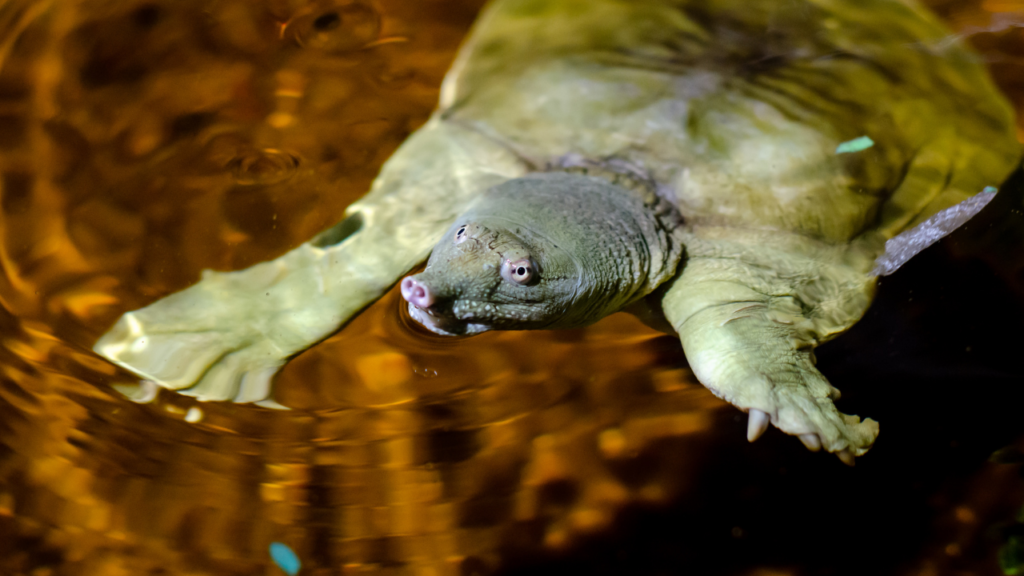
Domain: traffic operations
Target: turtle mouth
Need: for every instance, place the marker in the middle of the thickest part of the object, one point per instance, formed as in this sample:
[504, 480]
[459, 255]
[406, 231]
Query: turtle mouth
[443, 324]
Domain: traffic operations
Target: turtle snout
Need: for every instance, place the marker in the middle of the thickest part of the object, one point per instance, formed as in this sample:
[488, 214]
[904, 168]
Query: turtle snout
[417, 293]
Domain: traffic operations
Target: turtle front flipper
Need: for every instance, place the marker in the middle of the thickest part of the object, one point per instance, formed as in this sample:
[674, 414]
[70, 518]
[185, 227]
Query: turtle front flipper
[226, 336]
[750, 306]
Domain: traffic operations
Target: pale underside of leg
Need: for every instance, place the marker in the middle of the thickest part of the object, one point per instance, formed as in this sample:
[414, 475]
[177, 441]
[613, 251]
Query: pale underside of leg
[226, 336]
[749, 308]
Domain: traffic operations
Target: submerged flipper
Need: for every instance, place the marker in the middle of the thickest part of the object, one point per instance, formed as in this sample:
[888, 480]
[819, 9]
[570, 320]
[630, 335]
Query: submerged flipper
[225, 337]
[750, 306]
[909, 243]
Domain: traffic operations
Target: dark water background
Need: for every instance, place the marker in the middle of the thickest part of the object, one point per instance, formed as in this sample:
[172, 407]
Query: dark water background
[143, 142]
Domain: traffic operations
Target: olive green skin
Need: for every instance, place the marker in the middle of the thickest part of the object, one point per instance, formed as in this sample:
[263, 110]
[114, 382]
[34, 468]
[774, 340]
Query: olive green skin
[730, 111]
[595, 248]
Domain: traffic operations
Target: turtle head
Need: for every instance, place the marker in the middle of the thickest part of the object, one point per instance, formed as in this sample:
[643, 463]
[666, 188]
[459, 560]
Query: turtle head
[491, 273]
[551, 250]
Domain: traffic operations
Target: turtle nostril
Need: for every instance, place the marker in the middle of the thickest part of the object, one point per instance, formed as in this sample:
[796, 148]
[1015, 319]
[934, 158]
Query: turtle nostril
[416, 293]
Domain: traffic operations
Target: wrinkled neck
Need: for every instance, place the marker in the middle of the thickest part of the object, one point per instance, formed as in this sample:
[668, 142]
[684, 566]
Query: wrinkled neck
[620, 247]
[614, 268]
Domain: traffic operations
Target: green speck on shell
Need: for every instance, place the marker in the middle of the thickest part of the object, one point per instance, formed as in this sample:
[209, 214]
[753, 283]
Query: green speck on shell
[855, 145]
[990, 189]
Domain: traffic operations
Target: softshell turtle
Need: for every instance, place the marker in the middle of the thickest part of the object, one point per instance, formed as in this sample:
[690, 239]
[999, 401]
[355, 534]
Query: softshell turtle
[733, 166]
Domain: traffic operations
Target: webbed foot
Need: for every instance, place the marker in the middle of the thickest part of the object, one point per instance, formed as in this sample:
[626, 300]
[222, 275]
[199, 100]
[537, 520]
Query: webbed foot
[225, 337]
[753, 365]
[748, 318]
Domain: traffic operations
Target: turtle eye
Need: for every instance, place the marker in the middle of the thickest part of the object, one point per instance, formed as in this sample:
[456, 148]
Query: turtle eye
[518, 272]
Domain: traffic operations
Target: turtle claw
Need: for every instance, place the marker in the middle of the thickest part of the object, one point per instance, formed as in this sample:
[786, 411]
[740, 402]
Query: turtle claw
[811, 441]
[757, 423]
[847, 457]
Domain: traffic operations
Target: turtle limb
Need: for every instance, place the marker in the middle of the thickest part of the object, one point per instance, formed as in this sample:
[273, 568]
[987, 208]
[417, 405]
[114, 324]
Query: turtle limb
[749, 308]
[226, 336]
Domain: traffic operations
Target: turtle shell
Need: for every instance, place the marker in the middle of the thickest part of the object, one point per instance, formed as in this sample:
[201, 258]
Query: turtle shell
[739, 110]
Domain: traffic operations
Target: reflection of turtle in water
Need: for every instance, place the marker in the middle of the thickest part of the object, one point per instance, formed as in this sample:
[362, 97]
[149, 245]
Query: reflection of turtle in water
[591, 156]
